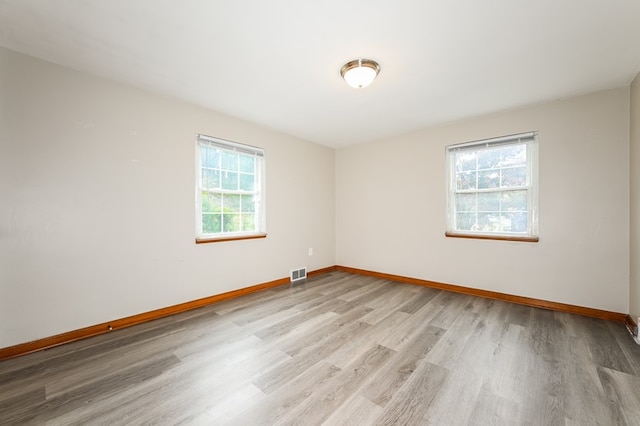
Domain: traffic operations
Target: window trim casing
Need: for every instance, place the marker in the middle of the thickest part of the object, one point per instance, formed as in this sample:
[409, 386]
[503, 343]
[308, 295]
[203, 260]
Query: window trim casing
[532, 144]
[261, 232]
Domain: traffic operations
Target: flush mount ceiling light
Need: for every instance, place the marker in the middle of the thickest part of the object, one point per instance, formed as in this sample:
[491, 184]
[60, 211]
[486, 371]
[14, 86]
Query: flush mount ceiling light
[360, 73]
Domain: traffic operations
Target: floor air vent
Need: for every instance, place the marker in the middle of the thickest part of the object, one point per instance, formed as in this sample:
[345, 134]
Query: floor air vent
[298, 274]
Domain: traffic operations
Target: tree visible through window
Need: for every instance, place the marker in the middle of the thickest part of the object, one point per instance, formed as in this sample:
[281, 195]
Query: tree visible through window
[230, 190]
[492, 188]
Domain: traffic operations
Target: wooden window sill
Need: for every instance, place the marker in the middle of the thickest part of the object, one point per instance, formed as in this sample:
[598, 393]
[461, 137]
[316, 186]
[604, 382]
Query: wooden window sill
[493, 237]
[231, 238]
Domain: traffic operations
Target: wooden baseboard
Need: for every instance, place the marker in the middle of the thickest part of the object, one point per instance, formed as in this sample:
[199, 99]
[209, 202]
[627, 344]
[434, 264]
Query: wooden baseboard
[94, 330]
[554, 306]
[106, 327]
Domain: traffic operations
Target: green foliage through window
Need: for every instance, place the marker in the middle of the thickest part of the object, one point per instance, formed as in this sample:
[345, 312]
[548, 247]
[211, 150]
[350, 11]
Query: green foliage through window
[492, 186]
[230, 188]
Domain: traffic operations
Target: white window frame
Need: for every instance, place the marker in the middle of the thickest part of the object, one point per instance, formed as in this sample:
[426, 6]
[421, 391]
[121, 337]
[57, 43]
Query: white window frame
[530, 140]
[259, 189]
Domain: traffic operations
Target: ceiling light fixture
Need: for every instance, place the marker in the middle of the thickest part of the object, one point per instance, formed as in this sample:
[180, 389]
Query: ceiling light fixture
[360, 73]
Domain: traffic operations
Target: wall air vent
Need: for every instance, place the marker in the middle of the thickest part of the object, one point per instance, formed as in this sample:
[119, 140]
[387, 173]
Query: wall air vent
[298, 274]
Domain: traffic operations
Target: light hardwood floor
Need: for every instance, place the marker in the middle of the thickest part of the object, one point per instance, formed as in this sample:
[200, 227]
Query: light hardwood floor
[340, 349]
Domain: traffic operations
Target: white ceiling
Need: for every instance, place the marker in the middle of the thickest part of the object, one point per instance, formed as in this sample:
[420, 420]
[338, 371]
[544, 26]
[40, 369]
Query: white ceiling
[277, 62]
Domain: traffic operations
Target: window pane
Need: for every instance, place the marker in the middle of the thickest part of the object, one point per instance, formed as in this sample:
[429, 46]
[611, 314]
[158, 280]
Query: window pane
[246, 182]
[465, 202]
[230, 181]
[248, 222]
[515, 222]
[465, 221]
[488, 179]
[211, 223]
[231, 203]
[489, 222]
[247, 163]
[514, 201]
[209, 157]
[514, 176]
[465, 161]
[466, 180]
[489, 201]
[210, 178]
[248, 204]
[229, 161]
[211, 202]
[231, 222]
[514, 155]
[489, 158]
[203, 155]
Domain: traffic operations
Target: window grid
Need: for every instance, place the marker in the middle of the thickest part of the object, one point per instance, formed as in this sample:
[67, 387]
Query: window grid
[491, 187]
[230, 189]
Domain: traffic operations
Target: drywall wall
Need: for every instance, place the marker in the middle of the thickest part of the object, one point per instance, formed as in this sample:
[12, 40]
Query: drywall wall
[97, 202]
[390, 206]
[634, 199]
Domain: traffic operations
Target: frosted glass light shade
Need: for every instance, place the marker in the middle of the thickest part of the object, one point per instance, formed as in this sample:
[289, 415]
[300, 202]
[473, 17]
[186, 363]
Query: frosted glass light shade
[360, 73]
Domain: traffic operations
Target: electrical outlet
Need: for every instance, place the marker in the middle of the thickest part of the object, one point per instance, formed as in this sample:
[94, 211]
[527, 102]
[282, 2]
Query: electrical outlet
[310, 251]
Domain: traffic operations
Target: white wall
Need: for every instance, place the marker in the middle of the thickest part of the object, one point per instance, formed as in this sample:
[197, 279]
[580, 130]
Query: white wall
[97, 203]
[390, 206]
[634, 279]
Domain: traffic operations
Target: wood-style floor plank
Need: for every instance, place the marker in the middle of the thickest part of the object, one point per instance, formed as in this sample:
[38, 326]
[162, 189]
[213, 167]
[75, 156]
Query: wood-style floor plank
[412, 402]
[331, 396]
[338, 349]
[621, 390]
[393, 376]
[270, 408]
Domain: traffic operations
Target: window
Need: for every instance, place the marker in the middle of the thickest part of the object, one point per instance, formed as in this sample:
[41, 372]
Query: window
[229, 190]
[492, 188]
